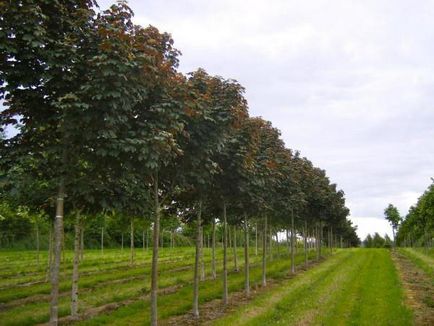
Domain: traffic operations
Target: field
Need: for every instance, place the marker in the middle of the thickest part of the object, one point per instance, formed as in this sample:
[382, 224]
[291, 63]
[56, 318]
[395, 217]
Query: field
[348, 287]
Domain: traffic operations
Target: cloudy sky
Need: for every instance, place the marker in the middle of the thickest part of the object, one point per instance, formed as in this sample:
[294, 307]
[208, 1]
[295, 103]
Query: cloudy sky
[349, 83]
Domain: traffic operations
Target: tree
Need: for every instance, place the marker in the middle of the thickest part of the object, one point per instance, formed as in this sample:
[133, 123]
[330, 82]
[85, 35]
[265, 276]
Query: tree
[417, 228]
[42, 44]
[392, 215]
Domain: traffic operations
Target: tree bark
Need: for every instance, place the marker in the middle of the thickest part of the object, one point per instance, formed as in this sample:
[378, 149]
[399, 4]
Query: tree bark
[75, 265]
[122, 241]
[264, 253]
[196, 262]
[55, 266]
[225, 245]
[143, 240]
[246, 257]
[154, 272]
[394, 240]
[213, 265]
[132, 242]
[235, 249]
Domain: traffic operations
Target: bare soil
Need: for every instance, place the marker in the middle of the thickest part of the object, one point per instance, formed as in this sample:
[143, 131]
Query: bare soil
[419, 289]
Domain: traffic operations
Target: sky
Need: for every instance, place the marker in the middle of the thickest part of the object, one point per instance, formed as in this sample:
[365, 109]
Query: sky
[348, 83]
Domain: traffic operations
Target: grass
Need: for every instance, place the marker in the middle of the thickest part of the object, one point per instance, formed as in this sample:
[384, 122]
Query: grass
[354, 287]
[351, 287]
[421, 258]
[107, 278]
[180, 302]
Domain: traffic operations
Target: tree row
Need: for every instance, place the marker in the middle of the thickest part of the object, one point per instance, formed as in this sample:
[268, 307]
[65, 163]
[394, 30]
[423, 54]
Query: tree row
[106, 124]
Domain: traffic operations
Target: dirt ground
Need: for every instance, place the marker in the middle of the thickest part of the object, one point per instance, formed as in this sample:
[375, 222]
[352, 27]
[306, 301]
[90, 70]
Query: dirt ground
[419, 290]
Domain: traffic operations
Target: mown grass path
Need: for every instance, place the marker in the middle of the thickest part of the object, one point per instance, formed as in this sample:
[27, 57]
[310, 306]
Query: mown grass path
[354, 287]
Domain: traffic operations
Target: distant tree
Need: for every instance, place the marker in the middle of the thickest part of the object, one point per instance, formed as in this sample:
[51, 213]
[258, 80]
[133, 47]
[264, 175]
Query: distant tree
[387, 241]
[377, 241]
[392, 215]
[367, 243]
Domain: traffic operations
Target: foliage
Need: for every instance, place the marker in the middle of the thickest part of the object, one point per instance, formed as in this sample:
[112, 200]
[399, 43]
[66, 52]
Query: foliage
[377, 241]
[417, 229]
[106, 121]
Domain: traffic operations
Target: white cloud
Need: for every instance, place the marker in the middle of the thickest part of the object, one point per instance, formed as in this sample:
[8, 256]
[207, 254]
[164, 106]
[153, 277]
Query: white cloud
[370, 225]
[349, 83]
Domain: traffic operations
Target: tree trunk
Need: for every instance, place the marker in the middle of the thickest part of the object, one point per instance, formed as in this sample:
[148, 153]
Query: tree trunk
[246, 257]
[196, 263]
[55, 266]
[213, 265]
[292, 243]
[132, 242]
[225, 245]
[143, 240]
[75, 265]
[122, 242]
[271, 244]
[393, 232]
[154, 272]
[147, 238]
[235, 249]
[264, 253]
